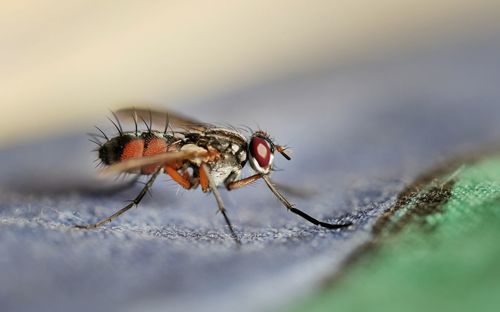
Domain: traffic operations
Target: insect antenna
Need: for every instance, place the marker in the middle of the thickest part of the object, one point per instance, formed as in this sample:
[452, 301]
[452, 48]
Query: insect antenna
[116, 126]
[104, 134]
[282, 150]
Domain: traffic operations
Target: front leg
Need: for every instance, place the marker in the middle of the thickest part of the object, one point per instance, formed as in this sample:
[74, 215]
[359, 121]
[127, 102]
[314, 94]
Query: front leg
[304, 215]
[243, 182]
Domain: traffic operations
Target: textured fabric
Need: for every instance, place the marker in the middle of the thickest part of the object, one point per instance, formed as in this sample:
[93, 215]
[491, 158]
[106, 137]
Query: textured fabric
[358, 134]
[448, 263]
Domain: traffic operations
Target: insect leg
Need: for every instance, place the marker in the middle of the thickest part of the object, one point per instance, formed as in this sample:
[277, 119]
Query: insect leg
[133, 203]
[243, 182]
[204, 181]
[220, 204]
[182, 180]
[287, 189]
[304, 215]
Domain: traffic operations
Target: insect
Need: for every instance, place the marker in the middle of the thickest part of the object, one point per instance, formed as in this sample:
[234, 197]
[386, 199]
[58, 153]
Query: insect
[194, 154]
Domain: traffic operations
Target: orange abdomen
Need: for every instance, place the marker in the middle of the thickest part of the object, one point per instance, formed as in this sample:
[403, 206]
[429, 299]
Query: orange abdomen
[145, 145]
[132, 149]
[153, 145]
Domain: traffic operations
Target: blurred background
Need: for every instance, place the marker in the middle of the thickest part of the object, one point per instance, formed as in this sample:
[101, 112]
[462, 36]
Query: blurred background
[64, 62]
[369, 95]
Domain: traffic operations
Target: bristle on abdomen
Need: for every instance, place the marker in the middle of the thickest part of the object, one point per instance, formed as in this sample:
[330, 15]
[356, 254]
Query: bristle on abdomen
[128, 146]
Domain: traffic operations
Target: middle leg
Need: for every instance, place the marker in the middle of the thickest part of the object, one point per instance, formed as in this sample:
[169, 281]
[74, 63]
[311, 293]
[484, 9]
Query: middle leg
[218, 198]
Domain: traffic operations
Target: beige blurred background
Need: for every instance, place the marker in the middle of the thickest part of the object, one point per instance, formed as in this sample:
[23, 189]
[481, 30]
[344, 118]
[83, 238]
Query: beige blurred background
[67, 62]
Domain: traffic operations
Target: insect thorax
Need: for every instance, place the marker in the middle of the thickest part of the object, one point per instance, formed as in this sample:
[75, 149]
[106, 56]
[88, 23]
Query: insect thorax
[231, 145]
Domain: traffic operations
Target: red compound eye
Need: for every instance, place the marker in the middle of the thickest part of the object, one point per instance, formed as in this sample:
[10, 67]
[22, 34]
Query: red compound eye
[260, 151]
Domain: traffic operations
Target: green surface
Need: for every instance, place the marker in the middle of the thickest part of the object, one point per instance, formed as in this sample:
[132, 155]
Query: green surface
[448, 260]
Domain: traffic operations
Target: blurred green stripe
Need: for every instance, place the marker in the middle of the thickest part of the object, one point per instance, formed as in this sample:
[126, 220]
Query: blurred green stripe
[446, 260]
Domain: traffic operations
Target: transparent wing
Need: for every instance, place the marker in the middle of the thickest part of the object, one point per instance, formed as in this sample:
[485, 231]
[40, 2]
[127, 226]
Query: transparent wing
[158, 159]
[160, 118]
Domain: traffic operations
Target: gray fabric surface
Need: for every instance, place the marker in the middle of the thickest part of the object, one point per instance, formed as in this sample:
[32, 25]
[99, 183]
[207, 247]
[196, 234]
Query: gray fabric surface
[359, 135]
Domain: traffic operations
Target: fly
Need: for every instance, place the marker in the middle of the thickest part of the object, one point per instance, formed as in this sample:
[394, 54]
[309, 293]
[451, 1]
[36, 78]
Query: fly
[193, 154]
